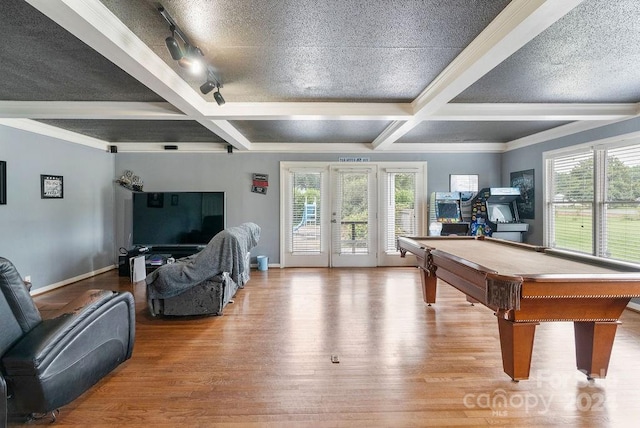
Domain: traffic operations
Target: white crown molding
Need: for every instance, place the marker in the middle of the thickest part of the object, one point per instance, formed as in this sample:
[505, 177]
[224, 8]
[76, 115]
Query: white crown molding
[446, 147]
[158, 147]
[198, 147]
[90, 110]
[557, 132]
[39, 128]
[535, 111]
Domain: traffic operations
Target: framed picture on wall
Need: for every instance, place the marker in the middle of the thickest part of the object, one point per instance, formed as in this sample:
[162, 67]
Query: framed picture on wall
[51, 186]
[524, 180]
[3, 182]
[463, 182]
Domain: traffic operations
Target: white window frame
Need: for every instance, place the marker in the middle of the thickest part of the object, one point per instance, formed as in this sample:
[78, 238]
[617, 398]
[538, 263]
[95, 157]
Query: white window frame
[599, 151]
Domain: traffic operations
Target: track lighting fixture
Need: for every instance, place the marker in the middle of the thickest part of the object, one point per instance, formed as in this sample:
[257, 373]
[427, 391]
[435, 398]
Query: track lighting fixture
[190, 57]
[172, 44]
[218, 97]
[207, 87]
[192, 60]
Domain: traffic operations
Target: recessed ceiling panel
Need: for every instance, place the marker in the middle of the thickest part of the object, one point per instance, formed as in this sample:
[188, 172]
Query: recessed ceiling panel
[43, 62]
[310, 131]
[474, 132]
[590, 55]
[312, 49]
[114, 131]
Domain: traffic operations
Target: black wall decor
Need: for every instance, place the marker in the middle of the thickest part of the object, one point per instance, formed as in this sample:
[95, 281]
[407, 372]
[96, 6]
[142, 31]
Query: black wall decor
[524, 180]
[3, 182]
[51, 186]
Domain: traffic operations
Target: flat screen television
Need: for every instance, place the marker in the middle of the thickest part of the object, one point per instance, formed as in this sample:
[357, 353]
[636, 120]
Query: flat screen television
[177, 218]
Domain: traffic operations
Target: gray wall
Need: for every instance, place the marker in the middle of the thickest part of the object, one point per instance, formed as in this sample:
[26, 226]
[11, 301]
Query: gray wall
[55, 240]
[162, 172]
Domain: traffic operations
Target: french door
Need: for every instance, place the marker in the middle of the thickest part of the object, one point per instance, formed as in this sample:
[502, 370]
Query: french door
[337, 214]
[353, 216]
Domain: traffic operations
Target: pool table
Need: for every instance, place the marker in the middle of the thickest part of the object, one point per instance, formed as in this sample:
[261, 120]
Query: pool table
[527, 284]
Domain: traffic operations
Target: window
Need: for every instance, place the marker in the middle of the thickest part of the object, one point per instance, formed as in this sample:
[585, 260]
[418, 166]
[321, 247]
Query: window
[400, 210]
[592, 201]
[306, 231]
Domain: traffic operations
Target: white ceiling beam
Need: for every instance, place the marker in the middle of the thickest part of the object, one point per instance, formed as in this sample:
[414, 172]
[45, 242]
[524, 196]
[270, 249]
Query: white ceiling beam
[99, 28]
[312, 111]
[116, 110]
[514, 27]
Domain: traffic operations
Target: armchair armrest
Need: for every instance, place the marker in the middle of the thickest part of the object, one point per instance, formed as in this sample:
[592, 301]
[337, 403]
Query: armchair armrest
[59, 333]
[86, 302]
[3, 402]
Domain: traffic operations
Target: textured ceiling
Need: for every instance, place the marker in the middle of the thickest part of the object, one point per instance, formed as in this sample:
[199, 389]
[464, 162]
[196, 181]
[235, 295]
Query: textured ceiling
[369, 75]
[590, 56]
[43, 62]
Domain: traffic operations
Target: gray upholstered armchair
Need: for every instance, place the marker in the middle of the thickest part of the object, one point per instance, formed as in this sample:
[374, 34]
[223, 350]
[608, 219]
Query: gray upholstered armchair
[47, 363]
[205, 282]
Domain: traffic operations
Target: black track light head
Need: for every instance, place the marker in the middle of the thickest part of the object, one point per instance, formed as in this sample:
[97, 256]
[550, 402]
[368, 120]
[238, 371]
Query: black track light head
[218, 97]
[207, 87]
[174, 48]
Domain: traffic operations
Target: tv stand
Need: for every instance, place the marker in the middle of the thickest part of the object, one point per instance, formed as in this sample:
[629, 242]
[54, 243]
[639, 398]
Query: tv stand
[175, 251]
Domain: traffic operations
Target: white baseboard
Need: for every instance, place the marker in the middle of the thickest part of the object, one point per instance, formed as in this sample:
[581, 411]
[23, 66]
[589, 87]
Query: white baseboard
[41, 290]
[270, 265]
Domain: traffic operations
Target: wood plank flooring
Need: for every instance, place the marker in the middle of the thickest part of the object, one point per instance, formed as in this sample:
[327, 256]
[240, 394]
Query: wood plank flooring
[267, 361]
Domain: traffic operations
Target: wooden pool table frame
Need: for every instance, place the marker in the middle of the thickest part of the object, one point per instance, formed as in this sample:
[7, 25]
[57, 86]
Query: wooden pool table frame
[594, 302]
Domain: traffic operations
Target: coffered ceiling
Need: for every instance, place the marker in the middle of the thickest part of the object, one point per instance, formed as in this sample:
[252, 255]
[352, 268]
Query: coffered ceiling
[320, 75]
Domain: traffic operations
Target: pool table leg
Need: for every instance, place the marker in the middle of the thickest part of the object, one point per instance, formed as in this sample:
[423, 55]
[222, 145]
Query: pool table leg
[428, 286]
[594, 341]
[516, 342]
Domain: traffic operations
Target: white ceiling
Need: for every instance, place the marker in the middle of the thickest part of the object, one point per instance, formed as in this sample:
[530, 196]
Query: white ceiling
[313, 75]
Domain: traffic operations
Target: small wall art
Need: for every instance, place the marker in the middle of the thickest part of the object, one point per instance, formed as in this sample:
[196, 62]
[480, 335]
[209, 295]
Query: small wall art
[3, 182]
[51, 186]
[260, 183]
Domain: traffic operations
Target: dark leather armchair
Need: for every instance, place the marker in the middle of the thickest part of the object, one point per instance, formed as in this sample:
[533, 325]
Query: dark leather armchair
[47, 363]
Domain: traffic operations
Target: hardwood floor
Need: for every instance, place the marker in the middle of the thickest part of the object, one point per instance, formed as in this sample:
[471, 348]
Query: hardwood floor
[267, 361]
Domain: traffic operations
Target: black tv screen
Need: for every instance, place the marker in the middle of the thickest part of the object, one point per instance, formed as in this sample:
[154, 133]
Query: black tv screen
[177, 218]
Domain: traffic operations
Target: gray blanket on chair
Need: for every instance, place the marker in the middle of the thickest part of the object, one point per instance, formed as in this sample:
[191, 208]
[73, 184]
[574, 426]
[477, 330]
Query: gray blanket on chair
[226, 252]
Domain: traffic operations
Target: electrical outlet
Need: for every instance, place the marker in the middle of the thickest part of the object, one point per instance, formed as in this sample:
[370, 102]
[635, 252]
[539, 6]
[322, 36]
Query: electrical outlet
[27, 278]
